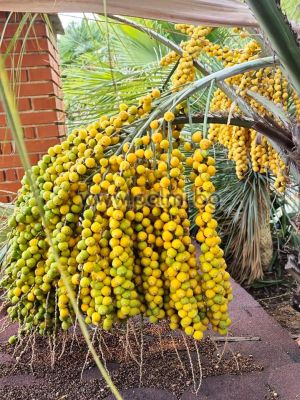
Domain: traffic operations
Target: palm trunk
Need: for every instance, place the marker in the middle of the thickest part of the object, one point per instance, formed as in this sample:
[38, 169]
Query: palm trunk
[266, 245]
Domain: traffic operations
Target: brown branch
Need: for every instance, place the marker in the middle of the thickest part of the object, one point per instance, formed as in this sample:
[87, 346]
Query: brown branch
[280, 136]
[216, 119]
[274, 134]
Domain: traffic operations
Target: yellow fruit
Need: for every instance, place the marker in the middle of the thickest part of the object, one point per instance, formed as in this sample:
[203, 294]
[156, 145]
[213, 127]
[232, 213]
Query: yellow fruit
[81, 169]
[164, 144]
[169, 116]
[155, 93]
[198, 335]
[157, 137]
[165, 182]
[90, 162]
[95, 189]
[140, 169]
[154, 124]
[187, 146]
[131, 158]
[205, 144]
[196, 137]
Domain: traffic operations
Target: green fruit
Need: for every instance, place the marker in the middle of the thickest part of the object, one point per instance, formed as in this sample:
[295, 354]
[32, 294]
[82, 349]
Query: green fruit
[12, 340]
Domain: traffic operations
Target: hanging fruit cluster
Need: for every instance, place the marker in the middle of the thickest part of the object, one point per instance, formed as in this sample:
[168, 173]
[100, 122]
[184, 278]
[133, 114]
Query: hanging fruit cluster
[117, 221]
[185, 71]
[245, 146]
[115, 226]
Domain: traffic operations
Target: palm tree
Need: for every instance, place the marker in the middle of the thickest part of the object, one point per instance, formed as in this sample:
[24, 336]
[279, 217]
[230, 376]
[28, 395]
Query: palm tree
[126, 66]
[212, 73]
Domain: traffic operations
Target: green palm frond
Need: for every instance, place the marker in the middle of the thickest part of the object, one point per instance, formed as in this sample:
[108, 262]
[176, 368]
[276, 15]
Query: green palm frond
[243, 208]
[98, 80]
[292, 9]
[282, 39]
[248, 211]
[6, 210]
[133, 48]
[79, 39]
[96, 93]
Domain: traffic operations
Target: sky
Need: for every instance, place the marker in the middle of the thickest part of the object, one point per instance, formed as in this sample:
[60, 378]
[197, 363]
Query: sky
[66, 18]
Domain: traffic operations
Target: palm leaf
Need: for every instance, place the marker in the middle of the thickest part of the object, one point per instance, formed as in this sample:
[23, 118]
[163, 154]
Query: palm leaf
[79, 38]
[292, 9]
[283, 40]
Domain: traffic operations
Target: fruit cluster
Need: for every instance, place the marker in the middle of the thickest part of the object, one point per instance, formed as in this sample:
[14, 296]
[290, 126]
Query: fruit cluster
[244, 146]
[113, 222]
[118, 229]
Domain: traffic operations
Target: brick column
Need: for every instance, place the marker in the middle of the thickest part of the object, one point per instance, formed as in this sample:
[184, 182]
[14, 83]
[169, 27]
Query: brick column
[33, 67]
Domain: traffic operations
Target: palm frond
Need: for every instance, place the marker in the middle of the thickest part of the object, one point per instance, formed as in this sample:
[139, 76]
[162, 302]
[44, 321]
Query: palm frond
[292, 9]
[79, 39]
[281, 36]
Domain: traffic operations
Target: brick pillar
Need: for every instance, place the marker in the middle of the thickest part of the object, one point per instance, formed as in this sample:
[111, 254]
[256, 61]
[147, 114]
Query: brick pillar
[35, 70]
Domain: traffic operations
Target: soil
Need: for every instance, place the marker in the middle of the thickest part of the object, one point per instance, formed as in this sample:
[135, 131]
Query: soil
[43, 368]
[167, 358]
[276, 299]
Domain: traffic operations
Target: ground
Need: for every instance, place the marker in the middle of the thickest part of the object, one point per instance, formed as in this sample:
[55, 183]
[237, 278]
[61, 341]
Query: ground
[258, 361]
[276, 299]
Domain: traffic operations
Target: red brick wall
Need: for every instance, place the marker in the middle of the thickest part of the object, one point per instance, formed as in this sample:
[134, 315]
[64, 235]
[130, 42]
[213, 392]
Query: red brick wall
[33, 68]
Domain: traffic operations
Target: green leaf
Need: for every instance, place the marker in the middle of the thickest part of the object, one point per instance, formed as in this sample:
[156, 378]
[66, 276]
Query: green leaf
[292, 9]
[283, 40]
